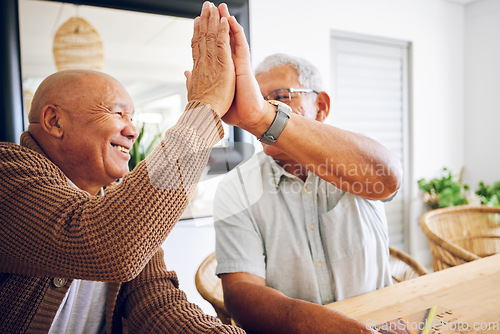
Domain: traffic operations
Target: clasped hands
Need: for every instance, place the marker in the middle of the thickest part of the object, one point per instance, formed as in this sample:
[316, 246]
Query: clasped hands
[222, 75]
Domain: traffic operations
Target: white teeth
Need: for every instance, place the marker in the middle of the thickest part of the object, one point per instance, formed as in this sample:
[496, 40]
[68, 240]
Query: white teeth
[121, 148]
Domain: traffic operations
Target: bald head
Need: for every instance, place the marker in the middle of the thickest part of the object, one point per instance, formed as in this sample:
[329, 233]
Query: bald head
[82, 121]
[72, 87]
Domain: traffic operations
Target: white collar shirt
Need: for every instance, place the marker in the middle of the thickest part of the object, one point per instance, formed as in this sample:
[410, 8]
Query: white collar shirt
[309, 240]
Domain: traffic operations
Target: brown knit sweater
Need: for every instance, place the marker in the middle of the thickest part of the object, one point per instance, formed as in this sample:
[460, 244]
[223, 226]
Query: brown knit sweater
[50, 230]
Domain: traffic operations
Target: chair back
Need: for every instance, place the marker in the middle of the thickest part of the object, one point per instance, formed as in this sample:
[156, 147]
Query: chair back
[210, 288]
[461, 234]
[403, 266]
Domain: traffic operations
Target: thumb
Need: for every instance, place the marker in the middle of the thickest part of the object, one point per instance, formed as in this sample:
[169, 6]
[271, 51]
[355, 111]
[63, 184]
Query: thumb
[187, 74]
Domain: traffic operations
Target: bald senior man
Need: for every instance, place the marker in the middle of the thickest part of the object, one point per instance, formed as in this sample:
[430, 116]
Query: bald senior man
[79, 255]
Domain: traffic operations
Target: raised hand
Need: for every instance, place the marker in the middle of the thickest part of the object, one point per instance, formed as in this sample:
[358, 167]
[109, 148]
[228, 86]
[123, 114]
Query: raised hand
[212, 79]
[249, 109]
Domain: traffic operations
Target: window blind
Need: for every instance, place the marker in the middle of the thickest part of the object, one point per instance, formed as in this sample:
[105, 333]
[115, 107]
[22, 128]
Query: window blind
[370, 97]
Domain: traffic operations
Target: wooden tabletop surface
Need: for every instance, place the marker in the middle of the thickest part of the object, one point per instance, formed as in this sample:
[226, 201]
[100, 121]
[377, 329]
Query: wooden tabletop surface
[469, 293]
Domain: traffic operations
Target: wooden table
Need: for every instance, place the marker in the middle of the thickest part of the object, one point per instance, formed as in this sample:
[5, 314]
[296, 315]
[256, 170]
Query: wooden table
[471, 293]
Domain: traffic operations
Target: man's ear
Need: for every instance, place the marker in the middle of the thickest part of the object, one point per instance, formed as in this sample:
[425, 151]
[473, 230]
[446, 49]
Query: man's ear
[323, 105]
[50, 119]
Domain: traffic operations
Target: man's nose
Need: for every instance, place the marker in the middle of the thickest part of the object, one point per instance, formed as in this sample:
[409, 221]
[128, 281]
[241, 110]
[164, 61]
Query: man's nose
[130, 130]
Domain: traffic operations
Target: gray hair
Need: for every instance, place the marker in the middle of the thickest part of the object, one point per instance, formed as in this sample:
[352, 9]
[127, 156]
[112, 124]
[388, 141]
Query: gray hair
[309, 76]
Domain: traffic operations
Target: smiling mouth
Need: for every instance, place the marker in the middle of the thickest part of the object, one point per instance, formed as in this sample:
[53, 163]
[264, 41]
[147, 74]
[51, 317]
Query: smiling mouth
[121, 148]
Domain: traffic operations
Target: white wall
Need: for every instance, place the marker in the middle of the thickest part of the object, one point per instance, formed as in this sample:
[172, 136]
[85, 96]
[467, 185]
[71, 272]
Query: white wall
[189, 243]
[482, 92]
[435, 29]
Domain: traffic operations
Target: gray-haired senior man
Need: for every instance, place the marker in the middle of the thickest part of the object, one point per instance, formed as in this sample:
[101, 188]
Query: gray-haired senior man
[295, 232]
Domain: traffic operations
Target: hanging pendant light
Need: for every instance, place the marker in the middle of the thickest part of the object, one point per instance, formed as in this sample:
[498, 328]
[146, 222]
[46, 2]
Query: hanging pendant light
[77, 45]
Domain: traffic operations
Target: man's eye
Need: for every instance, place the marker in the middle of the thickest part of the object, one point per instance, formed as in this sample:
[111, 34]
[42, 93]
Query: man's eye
[281, 97]
[119, 113]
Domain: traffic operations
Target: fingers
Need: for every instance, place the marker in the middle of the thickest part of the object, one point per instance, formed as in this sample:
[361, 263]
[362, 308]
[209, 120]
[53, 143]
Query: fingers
[238, 32]
[195, 41]
[224, 28]
[212, 79]
[241, 50]
[223, 42]
[204, 27]
[213, 28]
[224, 14]
[223, 10]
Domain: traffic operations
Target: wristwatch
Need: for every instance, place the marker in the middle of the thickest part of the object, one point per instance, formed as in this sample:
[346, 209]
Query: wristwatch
[282, 115]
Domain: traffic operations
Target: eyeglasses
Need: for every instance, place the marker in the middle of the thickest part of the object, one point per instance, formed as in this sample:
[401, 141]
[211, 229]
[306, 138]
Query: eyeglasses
[285, 94]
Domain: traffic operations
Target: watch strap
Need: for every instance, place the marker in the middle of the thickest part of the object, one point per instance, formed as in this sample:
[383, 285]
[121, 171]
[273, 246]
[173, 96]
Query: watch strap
[278, 124]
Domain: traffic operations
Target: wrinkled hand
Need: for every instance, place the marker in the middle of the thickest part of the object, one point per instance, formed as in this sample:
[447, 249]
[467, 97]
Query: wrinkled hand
[212, 79]
[249, 107]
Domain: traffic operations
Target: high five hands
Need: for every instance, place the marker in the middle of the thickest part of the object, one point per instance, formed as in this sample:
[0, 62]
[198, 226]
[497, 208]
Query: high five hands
[222, 74]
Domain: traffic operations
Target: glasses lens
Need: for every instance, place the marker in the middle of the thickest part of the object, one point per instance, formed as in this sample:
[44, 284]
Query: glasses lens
[282, 95]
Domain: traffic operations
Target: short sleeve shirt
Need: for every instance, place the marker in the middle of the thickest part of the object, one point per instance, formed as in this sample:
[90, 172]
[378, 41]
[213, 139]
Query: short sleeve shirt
[309, 240]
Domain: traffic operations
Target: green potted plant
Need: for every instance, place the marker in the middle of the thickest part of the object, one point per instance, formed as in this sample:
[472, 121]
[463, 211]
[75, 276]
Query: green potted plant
[443, 191]
[489, 195]
[140, 149]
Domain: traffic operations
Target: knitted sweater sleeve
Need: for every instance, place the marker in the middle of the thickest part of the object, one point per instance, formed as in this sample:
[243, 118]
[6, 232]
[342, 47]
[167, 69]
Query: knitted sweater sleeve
[153, 303]
[49, 228]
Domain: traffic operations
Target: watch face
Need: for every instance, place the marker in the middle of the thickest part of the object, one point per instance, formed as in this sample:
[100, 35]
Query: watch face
[276, 102]
[281, 106]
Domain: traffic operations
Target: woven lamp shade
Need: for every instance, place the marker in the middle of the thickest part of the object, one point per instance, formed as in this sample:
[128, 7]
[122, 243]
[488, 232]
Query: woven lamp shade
[77, 45]
[27, 99]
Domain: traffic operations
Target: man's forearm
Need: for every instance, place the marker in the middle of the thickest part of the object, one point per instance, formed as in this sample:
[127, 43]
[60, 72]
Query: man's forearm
[262, 309]
[351, 162]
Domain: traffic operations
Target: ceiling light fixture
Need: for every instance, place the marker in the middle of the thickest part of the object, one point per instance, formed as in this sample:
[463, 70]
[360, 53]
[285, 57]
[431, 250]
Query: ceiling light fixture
[78, 45]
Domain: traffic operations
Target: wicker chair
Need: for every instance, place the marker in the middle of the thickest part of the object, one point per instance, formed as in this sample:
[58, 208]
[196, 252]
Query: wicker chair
[461, 234]
[210, 288]
[403, 267]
